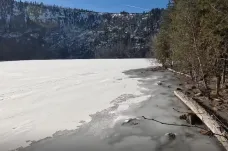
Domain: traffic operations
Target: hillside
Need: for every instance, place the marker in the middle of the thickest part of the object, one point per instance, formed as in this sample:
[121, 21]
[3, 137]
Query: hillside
[36, 31]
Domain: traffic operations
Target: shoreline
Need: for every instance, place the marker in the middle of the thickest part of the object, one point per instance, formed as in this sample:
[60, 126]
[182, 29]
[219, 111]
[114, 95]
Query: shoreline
[115, 127]
[216, 108]
[215, 128]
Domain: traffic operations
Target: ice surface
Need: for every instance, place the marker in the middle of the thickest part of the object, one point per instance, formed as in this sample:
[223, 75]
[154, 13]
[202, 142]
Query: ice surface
[38, 98]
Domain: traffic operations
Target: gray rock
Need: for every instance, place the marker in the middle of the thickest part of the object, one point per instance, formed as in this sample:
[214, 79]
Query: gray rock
[198, 94]
[159, 83]
[178, 89]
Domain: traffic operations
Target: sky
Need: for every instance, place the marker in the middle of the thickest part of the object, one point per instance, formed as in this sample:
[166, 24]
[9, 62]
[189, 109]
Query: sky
[113, 6]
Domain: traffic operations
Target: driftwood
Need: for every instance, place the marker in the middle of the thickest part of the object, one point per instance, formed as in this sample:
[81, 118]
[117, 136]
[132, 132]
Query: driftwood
[179, 73]
[209, 121]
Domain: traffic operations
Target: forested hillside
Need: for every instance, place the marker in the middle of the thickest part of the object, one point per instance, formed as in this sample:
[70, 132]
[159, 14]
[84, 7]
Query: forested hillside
[37, 31]
[194, 39]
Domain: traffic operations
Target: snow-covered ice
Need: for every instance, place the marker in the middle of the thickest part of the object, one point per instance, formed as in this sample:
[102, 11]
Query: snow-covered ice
[38, 98]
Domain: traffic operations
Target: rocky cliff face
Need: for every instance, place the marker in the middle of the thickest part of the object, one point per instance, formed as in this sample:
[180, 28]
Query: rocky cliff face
[36, 31]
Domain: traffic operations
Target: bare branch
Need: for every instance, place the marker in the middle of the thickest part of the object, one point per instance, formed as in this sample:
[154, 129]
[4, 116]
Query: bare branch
[173, 124]
[224, 125]
[180, 125]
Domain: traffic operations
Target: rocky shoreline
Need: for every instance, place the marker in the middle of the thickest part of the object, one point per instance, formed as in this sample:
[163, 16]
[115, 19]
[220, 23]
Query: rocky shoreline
[217, 107]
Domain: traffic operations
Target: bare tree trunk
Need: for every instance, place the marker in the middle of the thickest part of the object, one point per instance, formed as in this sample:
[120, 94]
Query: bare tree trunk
[204, 75]
[205, 81]
[218, 82]
[224, 73]
[191, 74]
[224, 65]
[171, 64]
[200, 64]
[191, 71]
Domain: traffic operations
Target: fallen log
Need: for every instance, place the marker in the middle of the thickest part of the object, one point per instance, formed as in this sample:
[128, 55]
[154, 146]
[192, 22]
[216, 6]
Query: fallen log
[206, 118]
[179, 73]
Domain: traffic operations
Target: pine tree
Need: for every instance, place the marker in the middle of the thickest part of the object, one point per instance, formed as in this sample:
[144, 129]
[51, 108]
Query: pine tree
[161, 42]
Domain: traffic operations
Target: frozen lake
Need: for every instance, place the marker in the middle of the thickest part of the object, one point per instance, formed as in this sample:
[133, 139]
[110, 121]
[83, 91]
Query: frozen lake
[83, 103]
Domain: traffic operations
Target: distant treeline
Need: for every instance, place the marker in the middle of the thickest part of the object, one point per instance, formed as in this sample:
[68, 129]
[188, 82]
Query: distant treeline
[30, 30]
